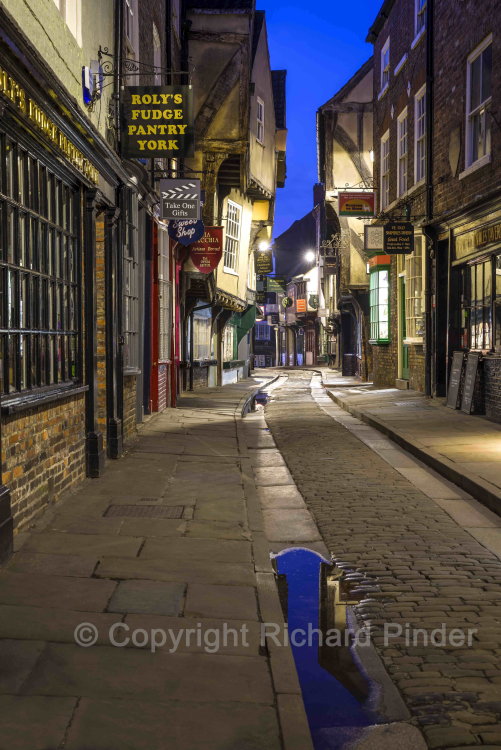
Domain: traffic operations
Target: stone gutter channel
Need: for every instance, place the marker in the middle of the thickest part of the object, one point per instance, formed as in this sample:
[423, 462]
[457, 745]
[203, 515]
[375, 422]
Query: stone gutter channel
[279, 519]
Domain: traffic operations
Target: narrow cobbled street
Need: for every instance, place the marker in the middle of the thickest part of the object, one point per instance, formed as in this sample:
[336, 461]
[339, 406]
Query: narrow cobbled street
[420, 568]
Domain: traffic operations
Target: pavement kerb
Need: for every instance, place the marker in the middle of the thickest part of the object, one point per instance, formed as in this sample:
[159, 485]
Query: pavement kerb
[245, 400]
[481, 490]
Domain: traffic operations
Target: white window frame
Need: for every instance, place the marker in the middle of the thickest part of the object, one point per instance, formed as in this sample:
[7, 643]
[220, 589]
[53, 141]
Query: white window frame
[157, 55]
[67, 9]
[415, 279]
[480, 110]
[232, 239]
[402, 152]
[419, 16]
[385, 65]
[260, 120]
[420, 136]
[131, 28]
[384, 161]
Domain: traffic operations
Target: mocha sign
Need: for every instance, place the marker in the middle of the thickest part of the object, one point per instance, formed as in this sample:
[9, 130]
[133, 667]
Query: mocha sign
[157, 121]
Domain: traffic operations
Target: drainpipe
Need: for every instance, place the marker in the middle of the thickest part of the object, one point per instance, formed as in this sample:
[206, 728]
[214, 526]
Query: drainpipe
[429, 234]
[117, 76]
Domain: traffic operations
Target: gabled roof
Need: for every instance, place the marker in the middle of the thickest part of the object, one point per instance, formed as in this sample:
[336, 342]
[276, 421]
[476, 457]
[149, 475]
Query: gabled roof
[354, 80]
[278, 81]
[381, 17]
[258, 27]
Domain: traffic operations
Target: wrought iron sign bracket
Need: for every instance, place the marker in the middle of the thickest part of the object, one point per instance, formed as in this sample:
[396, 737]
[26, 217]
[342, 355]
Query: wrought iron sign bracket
[134, 67]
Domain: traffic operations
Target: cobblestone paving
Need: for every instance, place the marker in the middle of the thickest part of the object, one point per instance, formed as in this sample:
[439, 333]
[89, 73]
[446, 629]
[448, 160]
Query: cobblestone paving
[420, 570]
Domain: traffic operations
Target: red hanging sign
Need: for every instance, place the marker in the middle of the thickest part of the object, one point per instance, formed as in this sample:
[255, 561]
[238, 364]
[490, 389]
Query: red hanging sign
[206, 253]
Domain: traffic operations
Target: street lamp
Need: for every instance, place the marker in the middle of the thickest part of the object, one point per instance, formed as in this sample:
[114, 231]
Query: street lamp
[264, 246]
[309, 256]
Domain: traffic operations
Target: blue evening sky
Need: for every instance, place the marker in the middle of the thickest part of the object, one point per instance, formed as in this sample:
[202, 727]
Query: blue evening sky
[321, 44]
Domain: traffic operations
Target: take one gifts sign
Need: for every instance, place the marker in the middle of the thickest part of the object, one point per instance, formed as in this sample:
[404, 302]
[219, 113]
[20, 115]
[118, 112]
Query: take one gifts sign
[206, 253]
[186, 231]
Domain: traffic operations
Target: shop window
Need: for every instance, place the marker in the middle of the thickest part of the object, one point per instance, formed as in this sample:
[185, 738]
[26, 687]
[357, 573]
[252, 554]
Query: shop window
[228, 342]
[420, 135]
[380, 305]
[262, 332]
[164, 298]
[202, 322]
[39, 274]
[478, 99]
[414, 291]
[402, 152]
[131, 318]
[497, 301]
[385, 170]
[260, 121]
[478, 294]
[232, 243]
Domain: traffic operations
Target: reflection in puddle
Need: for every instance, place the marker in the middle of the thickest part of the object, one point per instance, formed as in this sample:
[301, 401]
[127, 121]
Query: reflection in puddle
[335, 692]
[262, 398]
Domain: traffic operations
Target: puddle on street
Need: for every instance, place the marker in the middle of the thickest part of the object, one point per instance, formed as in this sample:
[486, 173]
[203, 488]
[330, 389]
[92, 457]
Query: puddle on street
[262, 398]
[335, 692]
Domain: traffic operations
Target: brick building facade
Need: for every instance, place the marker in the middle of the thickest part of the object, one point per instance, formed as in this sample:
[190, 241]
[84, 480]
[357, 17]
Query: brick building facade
[400, 95]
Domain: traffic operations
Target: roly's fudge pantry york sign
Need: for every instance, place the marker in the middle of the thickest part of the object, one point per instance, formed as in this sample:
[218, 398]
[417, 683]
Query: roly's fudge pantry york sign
[157, 121]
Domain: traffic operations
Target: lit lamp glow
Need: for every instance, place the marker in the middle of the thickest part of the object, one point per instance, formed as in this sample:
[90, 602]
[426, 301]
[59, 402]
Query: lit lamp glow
[264, 246]
[309, 256]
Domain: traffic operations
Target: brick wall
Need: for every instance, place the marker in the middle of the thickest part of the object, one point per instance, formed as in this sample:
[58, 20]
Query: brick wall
[43, 455]
[403, 86]
[456, 36]
[200, 378]
[416, 367]
[162, 387]
[101, 329]
[129, 419]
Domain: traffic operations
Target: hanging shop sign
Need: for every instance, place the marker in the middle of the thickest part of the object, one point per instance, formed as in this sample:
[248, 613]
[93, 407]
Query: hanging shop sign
[276, 284]
[373, 239]
[313, 301]
[263, 261]
[273, 319]
[356, 204]
[206, 253]
[179, 199]
[185, 231]
[37, 117]
[287, 302]
[330, 265]
[157, 121]
[398, 238]
[260, 297]
[301, 305]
